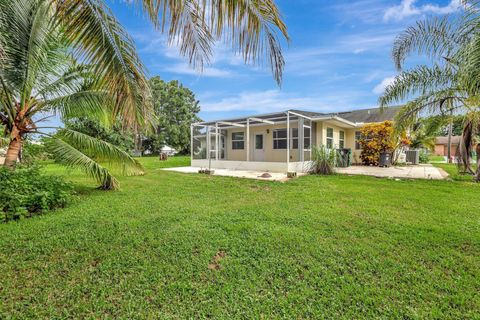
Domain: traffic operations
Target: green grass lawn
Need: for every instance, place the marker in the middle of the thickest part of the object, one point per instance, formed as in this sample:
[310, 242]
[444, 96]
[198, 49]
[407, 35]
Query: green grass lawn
[452, 170]
[172, 245]
[434, 158]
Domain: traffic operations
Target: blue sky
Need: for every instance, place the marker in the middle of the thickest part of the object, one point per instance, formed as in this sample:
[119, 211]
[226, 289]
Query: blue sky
[338, 58]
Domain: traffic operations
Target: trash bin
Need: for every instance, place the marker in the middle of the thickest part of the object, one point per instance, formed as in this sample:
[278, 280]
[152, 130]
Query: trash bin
[343, 157]
[385, 159]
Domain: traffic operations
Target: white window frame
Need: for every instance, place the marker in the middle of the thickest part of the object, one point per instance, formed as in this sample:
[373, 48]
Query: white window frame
[293, 138]
[330, 138]
[341, 141]
[309, 138]
[358, 136]
[238, 140]
[274, 132]
[292, 145]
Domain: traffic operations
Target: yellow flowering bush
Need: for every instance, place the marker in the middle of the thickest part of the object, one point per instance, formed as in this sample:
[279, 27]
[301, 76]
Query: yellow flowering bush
[375, 139]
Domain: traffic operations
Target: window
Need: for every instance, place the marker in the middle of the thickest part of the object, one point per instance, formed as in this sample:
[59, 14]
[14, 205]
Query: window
[358, 136]
[306, 138]
[294, 138]
[341, 141]
[238, 142]
[259, 141]
[329, 138]
[280, 139]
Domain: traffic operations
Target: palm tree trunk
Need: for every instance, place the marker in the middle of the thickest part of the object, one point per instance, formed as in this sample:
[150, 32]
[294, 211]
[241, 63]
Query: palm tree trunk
[465, 148]
[13, 152]
[138, 145]
[449, 143]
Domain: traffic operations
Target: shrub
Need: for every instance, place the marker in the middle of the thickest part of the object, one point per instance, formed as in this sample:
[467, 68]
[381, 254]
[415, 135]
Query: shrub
[33, 152]
[25, 192]
[375, 139]
[424, 157]
[323, 160]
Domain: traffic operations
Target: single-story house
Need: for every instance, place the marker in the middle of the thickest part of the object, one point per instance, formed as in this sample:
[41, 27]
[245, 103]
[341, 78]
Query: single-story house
[441, 145]
[280, 141]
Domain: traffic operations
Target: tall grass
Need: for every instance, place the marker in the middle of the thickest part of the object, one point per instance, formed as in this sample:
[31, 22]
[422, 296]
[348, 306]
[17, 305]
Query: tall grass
[323, 160]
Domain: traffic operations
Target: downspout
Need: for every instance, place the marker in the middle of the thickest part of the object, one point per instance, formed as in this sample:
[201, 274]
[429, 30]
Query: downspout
[191, 143]
[248, 139]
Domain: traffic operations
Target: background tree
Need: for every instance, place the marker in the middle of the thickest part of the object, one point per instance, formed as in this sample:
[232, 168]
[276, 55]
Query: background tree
[94, 128]
[176, 109]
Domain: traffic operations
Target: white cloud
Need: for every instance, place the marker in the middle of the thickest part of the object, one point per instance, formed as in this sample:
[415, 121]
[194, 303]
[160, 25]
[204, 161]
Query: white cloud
[318, 61]
[380, 88]
[184, 68]
[222, 63]
[350, 13]
[276, 100]
[407, 8]
[359, 50]
[259, 101]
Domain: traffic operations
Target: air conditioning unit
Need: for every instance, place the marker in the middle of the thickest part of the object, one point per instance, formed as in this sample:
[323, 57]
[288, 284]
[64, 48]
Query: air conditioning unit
[413, 156]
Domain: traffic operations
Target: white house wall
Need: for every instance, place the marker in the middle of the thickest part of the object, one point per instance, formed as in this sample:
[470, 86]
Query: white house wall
[253, 165]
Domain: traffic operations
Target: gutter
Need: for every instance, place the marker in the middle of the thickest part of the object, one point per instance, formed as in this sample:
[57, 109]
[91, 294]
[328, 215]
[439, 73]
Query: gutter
[337, 118]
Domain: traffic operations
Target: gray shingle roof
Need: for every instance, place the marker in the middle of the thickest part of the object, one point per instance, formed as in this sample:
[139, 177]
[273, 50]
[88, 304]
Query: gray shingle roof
[310, 114]
[355, 116]
[444, 140]
[370, 115]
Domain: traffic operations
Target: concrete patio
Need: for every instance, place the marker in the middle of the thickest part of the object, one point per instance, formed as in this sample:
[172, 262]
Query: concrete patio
[273, 176]
[424, 171]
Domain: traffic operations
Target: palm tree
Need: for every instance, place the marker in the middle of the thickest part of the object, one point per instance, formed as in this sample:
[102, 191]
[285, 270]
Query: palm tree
[424, 132]
[38, 77]
[41, 40]
[450, 85]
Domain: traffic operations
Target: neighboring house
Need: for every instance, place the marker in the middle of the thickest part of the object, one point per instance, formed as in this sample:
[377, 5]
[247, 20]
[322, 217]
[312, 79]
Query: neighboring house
[168, 150]
[280, 141]
[441, 145]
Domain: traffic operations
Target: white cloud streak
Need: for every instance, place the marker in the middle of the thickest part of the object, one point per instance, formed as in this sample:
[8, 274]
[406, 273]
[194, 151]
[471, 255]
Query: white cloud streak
[184, 68]
[380, 88]
[276, 100]
[407, 8]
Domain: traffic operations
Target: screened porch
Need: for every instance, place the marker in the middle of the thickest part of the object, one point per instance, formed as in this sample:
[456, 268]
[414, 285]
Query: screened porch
[277, 142]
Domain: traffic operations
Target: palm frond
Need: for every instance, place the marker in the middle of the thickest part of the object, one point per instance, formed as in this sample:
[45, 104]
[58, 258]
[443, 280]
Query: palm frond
[436, 38]
[251, 28]
[100, 40]
[102, 151]
[442, 102]
[254, 27]
[421, 80]
[93, 104]
[78, 150]
[34, 46]
[189, 30]
[469, 72]
[70, 156]
[71, 78]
